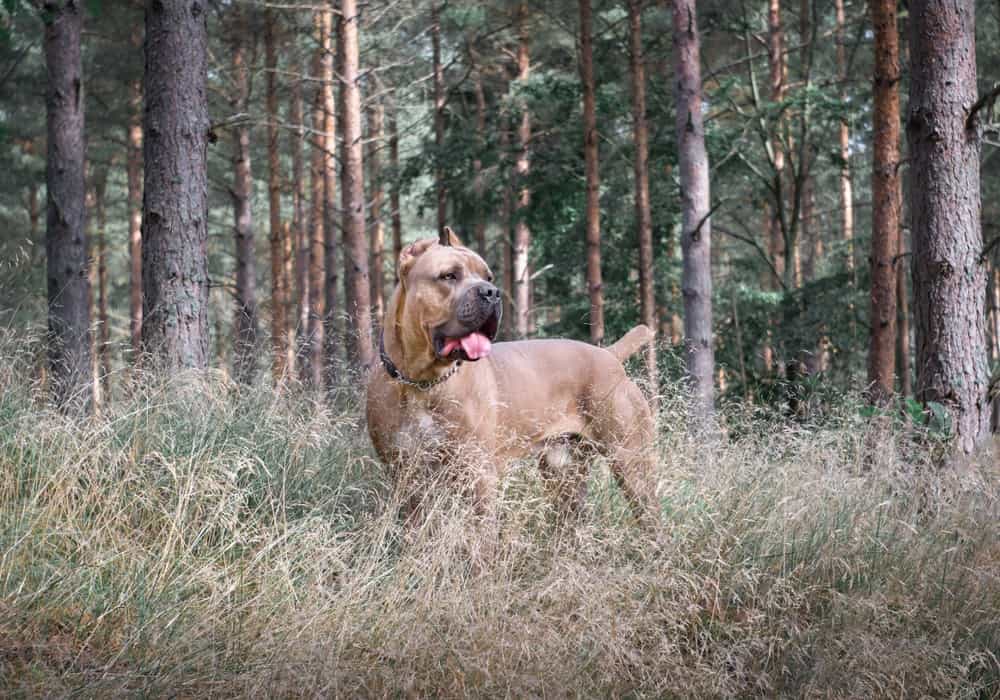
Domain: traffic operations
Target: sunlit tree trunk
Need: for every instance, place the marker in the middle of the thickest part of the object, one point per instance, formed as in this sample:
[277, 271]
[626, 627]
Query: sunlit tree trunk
[643, 210]
[331, 271]
[507, 224]
[279, 281]
[356, 278]
[949, 278]
[175, 194]
[885, 204]
[593, 178]
[844, 140]
[66, 236]
[696, 233]
[375, 184]
[246, 325]
[521, 252]
[778, 70]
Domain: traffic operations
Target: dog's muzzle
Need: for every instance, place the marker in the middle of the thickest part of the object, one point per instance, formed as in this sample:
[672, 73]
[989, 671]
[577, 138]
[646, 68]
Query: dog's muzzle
[470, 333]
[477, 305]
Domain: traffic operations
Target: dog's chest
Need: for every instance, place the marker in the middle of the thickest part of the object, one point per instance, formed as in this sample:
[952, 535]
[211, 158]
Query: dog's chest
[421, 433]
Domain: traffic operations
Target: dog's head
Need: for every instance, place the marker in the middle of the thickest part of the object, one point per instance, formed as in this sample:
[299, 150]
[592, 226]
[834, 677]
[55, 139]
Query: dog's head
[446, 302]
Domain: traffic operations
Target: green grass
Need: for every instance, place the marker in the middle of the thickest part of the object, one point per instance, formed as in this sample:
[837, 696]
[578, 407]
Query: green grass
[197, 541]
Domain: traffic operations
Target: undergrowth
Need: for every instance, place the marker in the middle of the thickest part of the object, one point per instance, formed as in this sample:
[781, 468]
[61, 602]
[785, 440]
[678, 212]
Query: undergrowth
[199, 541]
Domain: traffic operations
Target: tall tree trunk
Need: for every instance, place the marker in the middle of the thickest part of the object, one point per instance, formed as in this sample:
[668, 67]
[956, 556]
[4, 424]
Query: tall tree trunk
[506, 222]
[313, 358]
[778, 69]
[643, 211]
[439, 103]
[593, 178]
[949, 279]
[331, 314]
[521, 253]
[103, 327]
[133, 174]
[397, 219]
[300, 225]
[245, 322]
[375, 119]
[885, 204]
[66, 236]
[175, 195]
[356, 278]
[844, 138]
[279, 281]
[695, 197]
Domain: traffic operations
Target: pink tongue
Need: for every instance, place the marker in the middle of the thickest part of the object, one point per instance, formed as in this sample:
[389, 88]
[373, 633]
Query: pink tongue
[476, 346]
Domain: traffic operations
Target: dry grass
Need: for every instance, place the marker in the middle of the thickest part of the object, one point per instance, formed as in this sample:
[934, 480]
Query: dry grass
[198, 542]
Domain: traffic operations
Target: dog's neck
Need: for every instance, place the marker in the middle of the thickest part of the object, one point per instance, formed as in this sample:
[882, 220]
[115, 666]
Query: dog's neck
[412, 354]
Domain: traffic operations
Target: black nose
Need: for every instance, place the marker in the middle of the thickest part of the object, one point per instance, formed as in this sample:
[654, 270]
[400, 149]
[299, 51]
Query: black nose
[487, 292]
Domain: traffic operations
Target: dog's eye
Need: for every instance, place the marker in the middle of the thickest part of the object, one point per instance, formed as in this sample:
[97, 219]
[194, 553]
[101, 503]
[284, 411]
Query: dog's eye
[448, 276]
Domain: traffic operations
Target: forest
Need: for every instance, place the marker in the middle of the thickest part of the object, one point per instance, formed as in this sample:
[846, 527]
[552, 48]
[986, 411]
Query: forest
[205, 207]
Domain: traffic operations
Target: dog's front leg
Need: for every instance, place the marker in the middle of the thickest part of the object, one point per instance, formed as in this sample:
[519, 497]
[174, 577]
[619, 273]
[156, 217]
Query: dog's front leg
[486, 502]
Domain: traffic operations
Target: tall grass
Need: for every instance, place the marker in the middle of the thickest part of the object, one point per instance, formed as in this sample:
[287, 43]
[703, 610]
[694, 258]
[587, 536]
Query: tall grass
[195, 540]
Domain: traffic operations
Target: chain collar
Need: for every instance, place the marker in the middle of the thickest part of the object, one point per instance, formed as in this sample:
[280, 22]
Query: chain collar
[393, 371]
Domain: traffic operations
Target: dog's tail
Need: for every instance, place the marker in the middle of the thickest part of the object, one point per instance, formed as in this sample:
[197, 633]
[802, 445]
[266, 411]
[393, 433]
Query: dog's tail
[630, 343]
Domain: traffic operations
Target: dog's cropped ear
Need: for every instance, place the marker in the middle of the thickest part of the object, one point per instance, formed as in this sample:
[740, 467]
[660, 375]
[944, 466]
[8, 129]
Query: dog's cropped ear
[448, 237]
[409, 255]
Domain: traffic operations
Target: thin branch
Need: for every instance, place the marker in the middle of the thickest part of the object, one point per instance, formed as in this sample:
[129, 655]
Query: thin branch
[756, 246]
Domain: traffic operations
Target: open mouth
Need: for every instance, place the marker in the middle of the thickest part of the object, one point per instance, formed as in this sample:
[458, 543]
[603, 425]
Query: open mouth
[472, 345]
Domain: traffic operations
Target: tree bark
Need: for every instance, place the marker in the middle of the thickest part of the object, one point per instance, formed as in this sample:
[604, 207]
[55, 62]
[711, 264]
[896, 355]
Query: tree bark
[643, 208]
[439, 104]
[300, 226]
[520, 255]
[312, 359]
[133, 173]
[592, 174]
[66, 236]
[279, 244]
[331, 316]
[695, 196]
[778, 70]
[949, 280]
[356, 277]
[175, 204]
[397, 220]
[245, 322]
[507, 221]
[375, 184]
[844, 140]
[885, 204]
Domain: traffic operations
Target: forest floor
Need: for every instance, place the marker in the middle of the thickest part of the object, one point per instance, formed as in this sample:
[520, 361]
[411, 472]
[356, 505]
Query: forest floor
[198, 541]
